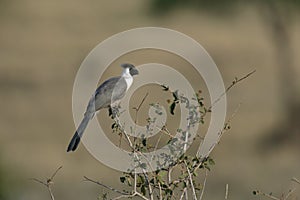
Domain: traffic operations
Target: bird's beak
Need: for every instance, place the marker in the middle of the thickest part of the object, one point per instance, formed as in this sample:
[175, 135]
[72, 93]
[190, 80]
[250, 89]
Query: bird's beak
[134, 71]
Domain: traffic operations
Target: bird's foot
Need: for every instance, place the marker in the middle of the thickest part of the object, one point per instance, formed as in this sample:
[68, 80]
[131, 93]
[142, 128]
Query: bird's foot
[114, 112]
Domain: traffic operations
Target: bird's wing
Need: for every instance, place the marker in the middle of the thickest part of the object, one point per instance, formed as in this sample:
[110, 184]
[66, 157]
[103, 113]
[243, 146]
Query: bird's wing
[110, 91]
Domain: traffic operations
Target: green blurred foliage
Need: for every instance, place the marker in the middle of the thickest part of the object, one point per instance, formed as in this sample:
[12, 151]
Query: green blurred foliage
[2, 186]
[164, 6]
[216, 6]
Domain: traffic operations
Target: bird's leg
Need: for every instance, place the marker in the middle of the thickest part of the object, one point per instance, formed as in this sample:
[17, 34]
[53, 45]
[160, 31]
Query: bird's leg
[114, 111]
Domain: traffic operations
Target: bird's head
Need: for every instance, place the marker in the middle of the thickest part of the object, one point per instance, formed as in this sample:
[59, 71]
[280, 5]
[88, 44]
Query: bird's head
[132, 70]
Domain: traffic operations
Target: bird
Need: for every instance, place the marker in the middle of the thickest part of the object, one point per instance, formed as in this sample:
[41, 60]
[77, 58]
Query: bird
[110, 92]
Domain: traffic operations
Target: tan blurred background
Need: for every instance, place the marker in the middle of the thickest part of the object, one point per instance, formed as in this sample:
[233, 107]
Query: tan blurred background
[42, 44]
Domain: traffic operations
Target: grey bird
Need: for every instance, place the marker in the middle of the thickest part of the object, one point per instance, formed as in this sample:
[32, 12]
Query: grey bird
[108, 93]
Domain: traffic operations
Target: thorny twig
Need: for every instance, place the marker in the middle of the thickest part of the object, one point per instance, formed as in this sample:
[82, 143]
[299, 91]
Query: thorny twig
[234, 82]
[289, 193]
[296, 180]
[130, 196]
[48, 182]
[203, 186]
[105, 186]
[137, 109]
[226, 127]
[271, 196]
[140, 105]
[183, 193]
[191, 180]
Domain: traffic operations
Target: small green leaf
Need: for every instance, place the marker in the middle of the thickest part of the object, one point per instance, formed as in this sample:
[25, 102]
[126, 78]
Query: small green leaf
[195, 174]
[169, 191]
[143, 165]
[143, 190]
[140, 181]
[211, 161]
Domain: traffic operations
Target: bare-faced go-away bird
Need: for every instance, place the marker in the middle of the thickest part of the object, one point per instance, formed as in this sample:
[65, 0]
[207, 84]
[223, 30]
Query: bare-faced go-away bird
[109, 92]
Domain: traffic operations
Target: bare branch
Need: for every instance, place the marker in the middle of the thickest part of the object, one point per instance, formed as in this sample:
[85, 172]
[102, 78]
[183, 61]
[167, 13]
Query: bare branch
[48, 182]
[149, 185]
[50, 193]
[54, 174]
[131, 195]
[105, 186]
[117, 120]
[296, 180]
[137, 109]
[289, 193]
[225, 128]
[186, 192]
[183, 192]
[234, 82]
[160, 191]
[135, 180]
[203, 186]
[140, 105]
[39, 181]
[226, 191]
[170, 174]
[270, 196]
[191, 180]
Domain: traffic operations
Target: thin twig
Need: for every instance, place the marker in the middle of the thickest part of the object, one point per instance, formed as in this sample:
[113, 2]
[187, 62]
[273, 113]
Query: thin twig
[191, 180]
[149, 185]
[128, 196]
[48, 182]
[166, 131]
[234, 82]
[105, 186]
[141, 103]
[186, 191]
[183, 192]
[160, 191]
[137, 109]
[289, 193]
[54, 174]
[117, 120]
[135, 182]
[204, 184]
[222, 131]
[170, 169]
[270, 196]
[186, 137]
[226, 191]
[296, 180]
[41, 182]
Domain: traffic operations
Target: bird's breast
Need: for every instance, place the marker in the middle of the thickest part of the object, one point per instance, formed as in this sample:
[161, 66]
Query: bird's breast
[129, 81]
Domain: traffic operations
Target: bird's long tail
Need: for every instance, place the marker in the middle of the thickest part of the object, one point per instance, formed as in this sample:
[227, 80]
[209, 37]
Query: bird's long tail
[79, 132]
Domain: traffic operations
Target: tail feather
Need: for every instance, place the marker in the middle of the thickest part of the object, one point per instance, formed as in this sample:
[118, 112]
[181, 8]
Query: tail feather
[74, 142]
[79, 132]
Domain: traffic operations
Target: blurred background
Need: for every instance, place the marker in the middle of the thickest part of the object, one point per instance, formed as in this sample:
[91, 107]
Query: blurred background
[42, 44]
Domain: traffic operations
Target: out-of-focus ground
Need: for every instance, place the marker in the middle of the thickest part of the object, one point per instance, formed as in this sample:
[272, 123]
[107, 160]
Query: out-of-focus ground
[42, 44]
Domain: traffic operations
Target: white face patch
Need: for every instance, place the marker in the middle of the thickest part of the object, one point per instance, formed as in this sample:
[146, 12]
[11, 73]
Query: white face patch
[128, 78]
